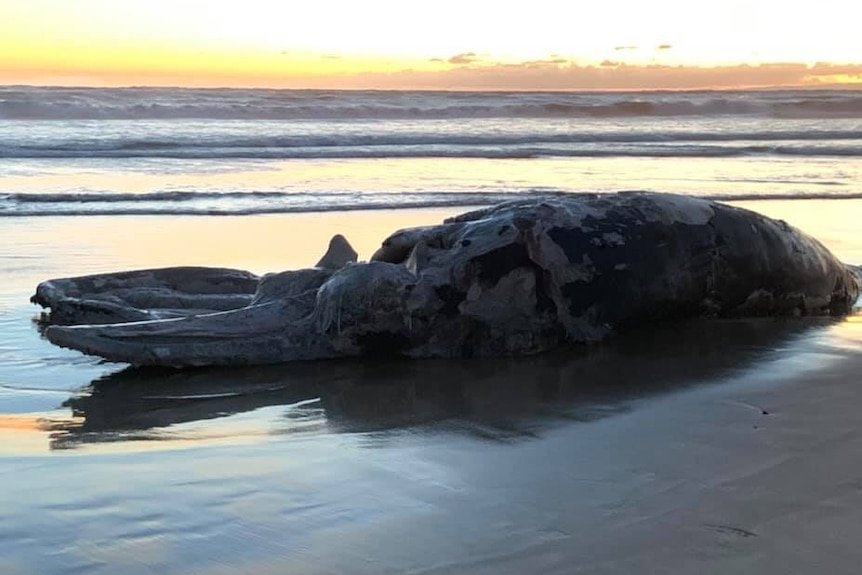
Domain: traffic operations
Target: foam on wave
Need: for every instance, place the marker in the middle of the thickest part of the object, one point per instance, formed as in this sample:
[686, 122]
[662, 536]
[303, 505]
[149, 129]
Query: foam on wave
[25, 103]
[478, 152]
[249, 203]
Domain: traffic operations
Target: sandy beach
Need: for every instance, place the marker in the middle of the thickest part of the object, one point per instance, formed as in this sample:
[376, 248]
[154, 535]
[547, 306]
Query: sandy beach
[707, 447]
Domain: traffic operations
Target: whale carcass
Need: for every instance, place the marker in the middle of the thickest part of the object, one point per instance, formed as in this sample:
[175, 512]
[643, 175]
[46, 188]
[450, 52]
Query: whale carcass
[520, 277]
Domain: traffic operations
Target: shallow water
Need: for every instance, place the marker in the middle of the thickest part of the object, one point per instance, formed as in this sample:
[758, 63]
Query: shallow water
[389, 468]
[514, 465]
[640, 455]
[172, 151]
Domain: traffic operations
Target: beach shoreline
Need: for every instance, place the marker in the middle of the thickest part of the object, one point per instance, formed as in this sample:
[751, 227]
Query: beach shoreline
[722, 447]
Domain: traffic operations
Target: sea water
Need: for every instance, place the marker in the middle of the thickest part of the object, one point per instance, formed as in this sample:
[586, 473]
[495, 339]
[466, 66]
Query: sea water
[394, 467]
[216, 151]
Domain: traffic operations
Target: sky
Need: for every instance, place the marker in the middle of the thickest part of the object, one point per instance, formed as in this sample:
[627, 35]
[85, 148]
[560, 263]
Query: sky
[442, 44]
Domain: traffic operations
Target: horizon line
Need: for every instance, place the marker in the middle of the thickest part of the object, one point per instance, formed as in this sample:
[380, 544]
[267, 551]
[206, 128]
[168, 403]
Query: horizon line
[847, 86]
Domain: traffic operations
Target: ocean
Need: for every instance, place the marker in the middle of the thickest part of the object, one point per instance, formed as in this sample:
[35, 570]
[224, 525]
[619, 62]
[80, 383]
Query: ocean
[716, 446]
[192, 151]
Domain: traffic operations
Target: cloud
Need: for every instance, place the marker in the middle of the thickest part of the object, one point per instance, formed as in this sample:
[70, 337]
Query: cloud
[558, 74]
[553, 73]
[547, 63]
[624, 48]
[463, 59]
[827, 69]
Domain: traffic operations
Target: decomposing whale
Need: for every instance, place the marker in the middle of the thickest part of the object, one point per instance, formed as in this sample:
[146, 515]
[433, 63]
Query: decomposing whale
[162, 293]
[520, 277]
[142, 295]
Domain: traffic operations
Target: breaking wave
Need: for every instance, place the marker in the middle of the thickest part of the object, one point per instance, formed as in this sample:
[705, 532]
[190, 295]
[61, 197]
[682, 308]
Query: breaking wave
[249, 203]
[30, 103]
[428, 145]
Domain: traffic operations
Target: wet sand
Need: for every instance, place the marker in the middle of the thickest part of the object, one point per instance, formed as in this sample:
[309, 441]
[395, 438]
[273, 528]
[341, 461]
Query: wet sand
[709, 447]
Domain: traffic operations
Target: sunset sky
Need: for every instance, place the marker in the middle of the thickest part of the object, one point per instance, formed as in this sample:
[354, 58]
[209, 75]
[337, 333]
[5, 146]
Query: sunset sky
[448, 44]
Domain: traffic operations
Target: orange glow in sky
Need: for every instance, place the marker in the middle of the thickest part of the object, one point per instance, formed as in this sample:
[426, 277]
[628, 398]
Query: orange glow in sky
[448, 44]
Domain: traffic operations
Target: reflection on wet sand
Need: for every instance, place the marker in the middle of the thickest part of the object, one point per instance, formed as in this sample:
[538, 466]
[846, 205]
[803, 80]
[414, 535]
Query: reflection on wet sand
[499, 399]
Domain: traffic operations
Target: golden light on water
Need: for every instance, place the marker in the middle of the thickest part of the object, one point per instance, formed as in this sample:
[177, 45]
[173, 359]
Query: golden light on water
[30, 433]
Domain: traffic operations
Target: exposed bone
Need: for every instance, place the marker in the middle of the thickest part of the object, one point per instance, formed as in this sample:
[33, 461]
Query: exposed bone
[145, 294]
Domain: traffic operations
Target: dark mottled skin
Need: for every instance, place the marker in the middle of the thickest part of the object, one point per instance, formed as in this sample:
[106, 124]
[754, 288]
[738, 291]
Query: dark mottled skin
[520, 277]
